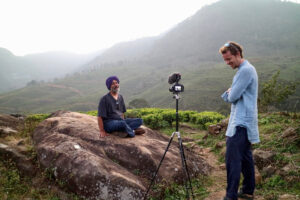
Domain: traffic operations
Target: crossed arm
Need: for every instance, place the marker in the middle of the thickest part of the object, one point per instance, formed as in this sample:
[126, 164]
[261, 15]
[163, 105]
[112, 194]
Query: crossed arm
[238, 87]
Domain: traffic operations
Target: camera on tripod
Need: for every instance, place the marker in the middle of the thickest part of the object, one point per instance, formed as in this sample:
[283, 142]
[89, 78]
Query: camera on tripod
[177, 87]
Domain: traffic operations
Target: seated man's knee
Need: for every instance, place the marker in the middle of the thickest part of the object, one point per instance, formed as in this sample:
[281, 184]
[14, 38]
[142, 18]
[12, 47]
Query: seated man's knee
[122, 124]
[140, 121]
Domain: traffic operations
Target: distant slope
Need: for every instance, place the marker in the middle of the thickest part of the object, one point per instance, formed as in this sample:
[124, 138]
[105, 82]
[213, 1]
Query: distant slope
[268, 29]
[17, 71]
[57, 64]
[14, 71]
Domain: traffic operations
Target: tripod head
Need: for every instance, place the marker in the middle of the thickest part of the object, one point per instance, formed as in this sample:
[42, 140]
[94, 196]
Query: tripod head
[177, 87]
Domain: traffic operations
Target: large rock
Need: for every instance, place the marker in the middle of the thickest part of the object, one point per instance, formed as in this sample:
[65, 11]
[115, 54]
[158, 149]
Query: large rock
[68, 144]
[263, 158]
[12, 121]
[214, 129]
[22, 162]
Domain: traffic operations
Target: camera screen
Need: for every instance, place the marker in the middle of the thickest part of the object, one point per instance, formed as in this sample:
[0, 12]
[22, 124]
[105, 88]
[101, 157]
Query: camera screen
[177, 88]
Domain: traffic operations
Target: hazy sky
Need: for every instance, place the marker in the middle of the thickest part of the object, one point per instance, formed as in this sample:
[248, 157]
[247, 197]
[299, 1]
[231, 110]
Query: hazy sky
[82, 26]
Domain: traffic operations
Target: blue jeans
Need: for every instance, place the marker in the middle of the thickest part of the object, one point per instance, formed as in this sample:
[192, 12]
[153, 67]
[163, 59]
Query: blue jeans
[124, 125]
[239, 159]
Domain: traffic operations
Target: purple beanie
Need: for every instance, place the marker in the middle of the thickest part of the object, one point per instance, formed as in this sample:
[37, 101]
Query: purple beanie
[109, 81]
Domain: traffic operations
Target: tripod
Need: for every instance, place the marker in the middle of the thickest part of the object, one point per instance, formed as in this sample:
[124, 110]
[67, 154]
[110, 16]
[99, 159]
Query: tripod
[188, 186]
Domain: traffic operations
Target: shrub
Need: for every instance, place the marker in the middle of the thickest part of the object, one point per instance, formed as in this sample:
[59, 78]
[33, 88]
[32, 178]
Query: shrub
[206, 118]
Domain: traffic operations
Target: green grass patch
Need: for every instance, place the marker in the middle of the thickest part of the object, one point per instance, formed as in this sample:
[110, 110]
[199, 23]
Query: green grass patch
[178, 192]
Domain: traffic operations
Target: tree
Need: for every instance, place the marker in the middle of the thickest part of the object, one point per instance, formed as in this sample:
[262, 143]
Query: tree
[275, 92]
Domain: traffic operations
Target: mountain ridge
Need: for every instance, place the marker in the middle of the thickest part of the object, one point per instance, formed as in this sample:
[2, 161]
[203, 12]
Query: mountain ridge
[191, 48]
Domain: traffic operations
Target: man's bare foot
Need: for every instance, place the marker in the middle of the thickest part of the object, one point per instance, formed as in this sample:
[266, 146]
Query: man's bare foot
[139, 131]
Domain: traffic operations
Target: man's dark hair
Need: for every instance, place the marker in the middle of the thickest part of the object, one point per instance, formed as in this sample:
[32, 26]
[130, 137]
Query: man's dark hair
[233, 47]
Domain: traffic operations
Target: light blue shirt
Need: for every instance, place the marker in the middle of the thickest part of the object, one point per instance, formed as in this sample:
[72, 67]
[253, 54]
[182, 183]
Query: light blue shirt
[243, 99]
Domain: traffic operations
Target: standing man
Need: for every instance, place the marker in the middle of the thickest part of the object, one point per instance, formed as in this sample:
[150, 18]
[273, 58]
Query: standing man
[111, 111]
[242, 128]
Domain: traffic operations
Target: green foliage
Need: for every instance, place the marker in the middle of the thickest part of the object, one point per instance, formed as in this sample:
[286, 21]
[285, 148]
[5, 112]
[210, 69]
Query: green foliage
[163, 118]
[32, 121]
[177, 192]
[92, 112]
[275, 92]
[204, 119]
[158, 118]
[272, 126]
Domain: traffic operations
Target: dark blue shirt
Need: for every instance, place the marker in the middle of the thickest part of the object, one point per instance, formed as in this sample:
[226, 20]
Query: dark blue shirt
[109, 108]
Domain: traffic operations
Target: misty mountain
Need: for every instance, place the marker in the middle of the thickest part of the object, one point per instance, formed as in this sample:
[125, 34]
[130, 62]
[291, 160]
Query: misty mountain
[265, 27]
[269, 30]
[123, 52]
[17, 71]
[56, 64]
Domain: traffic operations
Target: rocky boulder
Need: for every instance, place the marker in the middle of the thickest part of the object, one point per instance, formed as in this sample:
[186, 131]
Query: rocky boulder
[12, 121]
[263, 158]
[22, 162]
[214, 129]
[68, 144]
[10, 124]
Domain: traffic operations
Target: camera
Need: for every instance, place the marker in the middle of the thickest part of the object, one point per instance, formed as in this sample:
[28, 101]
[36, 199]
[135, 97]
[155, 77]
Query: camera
[177, 87]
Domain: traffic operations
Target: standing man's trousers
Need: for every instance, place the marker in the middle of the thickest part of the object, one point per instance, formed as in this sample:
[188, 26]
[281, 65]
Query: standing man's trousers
[239, 159]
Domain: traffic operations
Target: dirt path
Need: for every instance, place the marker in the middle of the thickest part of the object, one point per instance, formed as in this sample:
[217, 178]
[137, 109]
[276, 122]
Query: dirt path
[218, 175]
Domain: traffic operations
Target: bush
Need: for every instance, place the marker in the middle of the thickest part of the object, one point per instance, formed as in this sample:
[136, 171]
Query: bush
[206, 118]
[163, 118]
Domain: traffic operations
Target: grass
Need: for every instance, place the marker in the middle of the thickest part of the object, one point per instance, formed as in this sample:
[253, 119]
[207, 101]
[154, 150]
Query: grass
[178, 192]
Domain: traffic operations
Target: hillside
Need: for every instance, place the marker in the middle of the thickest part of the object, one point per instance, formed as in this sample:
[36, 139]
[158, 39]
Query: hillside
[269, 30]
[17, 71]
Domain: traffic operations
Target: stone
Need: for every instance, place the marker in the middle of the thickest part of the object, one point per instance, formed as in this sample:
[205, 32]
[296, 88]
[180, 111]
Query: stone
[258, 177]
[286, 169]
[68, 144]
[224, 123]
[269, 170]
[220, 144]
[7, 131]
[12, 122]
[263, 158]
[22, 162]
[214, 129]
[288, 197]
[289, 132]
[222, 166]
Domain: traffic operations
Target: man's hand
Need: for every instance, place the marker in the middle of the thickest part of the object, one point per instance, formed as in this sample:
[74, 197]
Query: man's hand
[103, 134]
[228, 90]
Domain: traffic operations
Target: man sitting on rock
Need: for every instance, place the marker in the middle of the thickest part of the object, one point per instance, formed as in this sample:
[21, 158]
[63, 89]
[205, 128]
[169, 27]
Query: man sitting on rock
[111, 111]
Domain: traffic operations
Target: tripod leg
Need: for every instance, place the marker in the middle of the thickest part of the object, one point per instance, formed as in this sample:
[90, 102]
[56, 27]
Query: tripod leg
[152, 181]
[184, 165]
